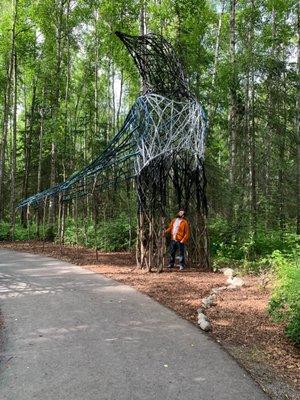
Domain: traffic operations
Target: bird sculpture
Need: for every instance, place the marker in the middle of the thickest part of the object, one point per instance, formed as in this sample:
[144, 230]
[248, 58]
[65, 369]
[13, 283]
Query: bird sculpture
[162, 140]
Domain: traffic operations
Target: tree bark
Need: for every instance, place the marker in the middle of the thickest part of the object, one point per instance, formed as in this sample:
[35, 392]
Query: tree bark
[232, 115]
[217, 46]
[275, 126]
[14, 153]
[41, 209]
[252, 130]
[120, 100]
[6, 109]
[96, 75]
[14, 133]
[253, 173]
[27, 155]
[65, 158]
[143, 29]
[55, 109]
[213, 106]
[297, 125]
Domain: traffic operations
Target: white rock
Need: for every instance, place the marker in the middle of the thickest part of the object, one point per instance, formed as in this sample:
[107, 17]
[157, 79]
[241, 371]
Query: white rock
[204, 325]
[216, 290]
[222, 288]
[201, 317]
[208, 301]
[235, 281]
[228, 272]
[232, 287]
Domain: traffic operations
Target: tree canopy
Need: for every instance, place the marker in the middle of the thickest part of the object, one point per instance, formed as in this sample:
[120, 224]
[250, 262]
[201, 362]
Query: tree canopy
[67, 83]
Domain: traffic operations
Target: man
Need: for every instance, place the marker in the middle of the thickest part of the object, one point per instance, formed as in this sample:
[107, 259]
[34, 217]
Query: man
[180, 233]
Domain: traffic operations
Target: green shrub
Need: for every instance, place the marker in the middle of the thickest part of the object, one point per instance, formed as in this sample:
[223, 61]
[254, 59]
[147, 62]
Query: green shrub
[115, 235]
[284, 304]
[111, 235]
[20, 232]
[73, 235]
[4, 231]
[239, 244]
[250, 253]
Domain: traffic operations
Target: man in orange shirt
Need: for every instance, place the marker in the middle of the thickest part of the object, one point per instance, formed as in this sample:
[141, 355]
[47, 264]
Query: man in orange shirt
[180, 233]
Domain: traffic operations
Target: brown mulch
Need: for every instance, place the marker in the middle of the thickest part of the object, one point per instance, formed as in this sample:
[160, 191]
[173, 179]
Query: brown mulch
[239, 318]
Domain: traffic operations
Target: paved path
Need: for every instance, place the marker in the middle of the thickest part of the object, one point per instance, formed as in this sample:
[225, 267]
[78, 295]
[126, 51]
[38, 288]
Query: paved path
[72, 334]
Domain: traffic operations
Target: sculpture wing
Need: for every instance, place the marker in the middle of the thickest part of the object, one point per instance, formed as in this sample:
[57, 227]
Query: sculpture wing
[120, 149]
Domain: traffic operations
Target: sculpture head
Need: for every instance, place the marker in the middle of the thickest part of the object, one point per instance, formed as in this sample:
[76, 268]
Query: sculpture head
[158, 65]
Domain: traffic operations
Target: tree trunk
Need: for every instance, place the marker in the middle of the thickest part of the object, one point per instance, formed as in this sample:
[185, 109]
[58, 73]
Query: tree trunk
[252, 131]
[143, 28]
[96, 73]
[14, 145]
[113, 99]
[275, 125]
[65, 158]
[41, 209]
[55, 109]
[27, 155]
[213, 105]
[297, 125]
[14, 129]
[6, 109]
[143, 31]
[120, 100]
[253, 179]
[217, 46]
[232, 115]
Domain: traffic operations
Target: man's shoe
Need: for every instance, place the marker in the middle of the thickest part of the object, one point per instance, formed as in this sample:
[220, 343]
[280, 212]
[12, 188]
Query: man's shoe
[181, 268]
[170, 267]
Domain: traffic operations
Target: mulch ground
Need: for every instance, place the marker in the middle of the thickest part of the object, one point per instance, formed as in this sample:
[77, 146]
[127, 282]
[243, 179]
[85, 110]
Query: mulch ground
[239, 318]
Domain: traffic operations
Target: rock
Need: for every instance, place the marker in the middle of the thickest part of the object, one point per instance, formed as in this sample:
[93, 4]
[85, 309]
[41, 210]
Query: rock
[201, 317]
[208, 301]
[232, 287]
[238, 282]
[216, 290]
[200, 310]
[204, 325]
[228, 272]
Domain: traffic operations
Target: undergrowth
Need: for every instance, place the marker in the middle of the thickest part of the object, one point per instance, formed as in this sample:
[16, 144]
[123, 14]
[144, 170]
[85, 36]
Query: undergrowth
[284, 304]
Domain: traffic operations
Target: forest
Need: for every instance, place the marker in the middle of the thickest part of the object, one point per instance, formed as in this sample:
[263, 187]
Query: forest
[67, 84]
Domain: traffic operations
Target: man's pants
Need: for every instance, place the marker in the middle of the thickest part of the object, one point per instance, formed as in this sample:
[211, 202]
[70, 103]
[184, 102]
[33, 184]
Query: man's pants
[174, 245]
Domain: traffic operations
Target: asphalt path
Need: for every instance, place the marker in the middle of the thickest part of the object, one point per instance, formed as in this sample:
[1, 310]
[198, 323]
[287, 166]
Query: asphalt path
[73, 334]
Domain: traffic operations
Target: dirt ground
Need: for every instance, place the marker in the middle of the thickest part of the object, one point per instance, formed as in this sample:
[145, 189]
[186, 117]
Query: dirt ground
[239, 317]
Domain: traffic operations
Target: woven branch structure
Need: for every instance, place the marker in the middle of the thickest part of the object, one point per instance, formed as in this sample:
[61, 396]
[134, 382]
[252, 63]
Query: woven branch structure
[160, 145]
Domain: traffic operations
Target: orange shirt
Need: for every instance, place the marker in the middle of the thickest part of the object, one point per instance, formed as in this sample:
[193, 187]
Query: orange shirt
[182, 231]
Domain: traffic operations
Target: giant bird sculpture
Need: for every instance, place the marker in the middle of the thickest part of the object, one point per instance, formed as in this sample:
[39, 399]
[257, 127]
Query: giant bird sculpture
[160, 145]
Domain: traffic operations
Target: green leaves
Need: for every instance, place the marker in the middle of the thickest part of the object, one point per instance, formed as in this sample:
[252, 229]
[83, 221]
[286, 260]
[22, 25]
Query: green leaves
[117, 234]
[284, 304]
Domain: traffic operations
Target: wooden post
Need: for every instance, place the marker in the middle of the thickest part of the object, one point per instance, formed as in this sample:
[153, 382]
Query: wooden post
[44, 219]
[151, 244]
[61, 223]
[27, 222]
[161, 243]
[76, 218]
